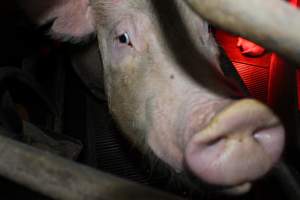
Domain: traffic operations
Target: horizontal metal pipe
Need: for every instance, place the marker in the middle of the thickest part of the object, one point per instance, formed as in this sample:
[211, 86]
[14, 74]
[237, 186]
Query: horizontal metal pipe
[273, 24]
[59, 178]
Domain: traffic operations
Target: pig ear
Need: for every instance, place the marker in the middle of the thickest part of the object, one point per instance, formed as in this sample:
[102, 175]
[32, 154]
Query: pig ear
[71, 19]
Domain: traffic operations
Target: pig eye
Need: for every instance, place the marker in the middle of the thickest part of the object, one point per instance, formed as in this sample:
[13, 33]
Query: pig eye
[124, 39]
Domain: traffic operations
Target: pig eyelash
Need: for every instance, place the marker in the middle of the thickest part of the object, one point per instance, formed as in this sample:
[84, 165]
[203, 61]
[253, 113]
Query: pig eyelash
[124, 39]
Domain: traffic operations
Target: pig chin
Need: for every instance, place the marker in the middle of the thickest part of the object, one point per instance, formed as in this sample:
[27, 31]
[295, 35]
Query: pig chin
[238, 145]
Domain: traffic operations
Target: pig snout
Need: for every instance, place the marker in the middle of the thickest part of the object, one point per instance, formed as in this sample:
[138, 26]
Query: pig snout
[240, 144]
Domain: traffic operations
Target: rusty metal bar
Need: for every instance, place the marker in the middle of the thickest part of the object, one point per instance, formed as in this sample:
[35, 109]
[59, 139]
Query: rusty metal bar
[59, 178]
[273, 24]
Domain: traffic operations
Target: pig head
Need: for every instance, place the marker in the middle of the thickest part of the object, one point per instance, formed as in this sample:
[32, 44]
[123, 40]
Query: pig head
[165, 88]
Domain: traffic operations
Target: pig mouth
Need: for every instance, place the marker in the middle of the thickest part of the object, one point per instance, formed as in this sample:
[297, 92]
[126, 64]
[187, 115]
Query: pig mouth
[240, 144]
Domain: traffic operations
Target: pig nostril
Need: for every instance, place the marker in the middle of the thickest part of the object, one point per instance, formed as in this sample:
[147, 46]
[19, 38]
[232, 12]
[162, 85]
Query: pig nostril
[257, 134]
[215, 141]
[265, 133]
[256, 137]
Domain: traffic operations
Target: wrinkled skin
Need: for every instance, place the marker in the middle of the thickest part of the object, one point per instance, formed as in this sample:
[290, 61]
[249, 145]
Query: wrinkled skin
[166, 91]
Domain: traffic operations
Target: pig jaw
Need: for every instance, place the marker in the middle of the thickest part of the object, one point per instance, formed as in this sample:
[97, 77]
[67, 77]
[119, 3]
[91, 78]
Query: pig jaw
[234, 147]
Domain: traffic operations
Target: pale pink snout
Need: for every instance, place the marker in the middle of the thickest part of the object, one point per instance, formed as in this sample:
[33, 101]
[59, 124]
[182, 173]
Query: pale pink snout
[240, 144]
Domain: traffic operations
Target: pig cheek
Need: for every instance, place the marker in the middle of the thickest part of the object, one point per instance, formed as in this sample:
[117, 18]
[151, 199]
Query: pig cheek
[127, 113]
[127, 99]
[127, 89]
[161, 136]
[167, 116]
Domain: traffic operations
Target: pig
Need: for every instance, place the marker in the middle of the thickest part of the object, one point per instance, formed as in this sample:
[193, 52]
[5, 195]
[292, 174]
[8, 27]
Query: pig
[165, 88]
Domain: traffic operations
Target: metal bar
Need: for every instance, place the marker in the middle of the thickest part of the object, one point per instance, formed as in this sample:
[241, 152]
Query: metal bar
[59, 178]
[273, 24]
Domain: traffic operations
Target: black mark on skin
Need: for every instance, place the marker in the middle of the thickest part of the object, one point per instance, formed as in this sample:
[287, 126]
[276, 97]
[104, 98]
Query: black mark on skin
[172, 76]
